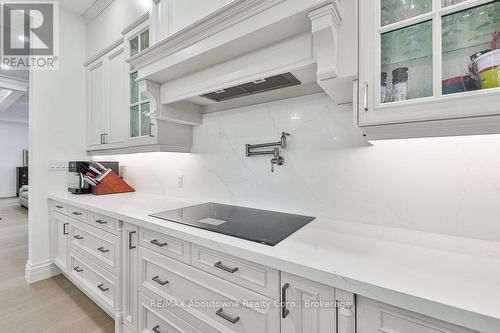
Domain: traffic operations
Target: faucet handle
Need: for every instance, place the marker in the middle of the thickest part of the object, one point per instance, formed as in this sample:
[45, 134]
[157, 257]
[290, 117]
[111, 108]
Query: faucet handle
[283, 139]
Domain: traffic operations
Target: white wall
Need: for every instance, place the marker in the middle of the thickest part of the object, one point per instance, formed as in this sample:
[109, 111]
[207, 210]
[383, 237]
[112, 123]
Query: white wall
[13, 139]
[57, 131]
[443, 185]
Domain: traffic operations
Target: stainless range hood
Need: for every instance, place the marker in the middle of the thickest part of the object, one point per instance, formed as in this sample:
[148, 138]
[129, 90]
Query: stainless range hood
[255, 87]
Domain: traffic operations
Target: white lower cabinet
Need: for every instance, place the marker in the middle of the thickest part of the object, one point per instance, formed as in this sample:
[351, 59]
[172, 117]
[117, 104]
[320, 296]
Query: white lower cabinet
[129, 276]
[307, 307]
[373, 316]
[96, 282]
[219, 303]
[61, 225]
[160, 319]
[150, 282]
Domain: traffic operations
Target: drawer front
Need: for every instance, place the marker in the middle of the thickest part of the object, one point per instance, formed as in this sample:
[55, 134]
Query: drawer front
[166, 245]
[374, 316]
[78, 213]
[155, 318]
[101, 246]
[229, 309]
[60, 207]
[250, 275]
[103, 222]
[102, 285]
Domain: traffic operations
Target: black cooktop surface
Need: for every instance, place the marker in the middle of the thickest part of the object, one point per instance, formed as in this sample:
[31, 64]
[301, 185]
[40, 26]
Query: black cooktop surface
[262, 226]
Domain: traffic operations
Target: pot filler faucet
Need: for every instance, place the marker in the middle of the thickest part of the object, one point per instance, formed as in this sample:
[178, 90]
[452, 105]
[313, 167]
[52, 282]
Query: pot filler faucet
[253, 150]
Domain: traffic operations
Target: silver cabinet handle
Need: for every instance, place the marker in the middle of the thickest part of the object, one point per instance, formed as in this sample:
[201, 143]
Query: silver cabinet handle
[78, 269]
[365, 97]
[284, 310]
[102, 249]
[105, 137]
[101, 287]
[156, 279]
[59, 206]
[157, 243]
[76, 213]
[102, 138]
[65, 231]
[221, 314]
[130, 246]
[219, 265]
[101, 221]
[78, 237]
[151, 129]
[156, 329]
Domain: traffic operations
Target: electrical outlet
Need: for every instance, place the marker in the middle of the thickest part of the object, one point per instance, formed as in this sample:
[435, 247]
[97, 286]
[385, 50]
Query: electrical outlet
[180, 181]
[58, 165]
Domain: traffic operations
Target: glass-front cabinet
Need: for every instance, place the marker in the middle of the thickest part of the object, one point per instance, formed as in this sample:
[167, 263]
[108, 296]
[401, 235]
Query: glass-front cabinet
[428, 60]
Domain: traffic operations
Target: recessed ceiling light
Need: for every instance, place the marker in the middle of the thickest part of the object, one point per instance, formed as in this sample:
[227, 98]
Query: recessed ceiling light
[4, 93]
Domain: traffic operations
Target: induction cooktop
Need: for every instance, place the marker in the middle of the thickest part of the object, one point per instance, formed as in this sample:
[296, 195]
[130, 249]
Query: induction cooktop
[262, 226]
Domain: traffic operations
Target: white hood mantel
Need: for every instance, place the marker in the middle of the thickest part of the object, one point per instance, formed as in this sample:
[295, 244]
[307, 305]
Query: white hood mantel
[247, 40]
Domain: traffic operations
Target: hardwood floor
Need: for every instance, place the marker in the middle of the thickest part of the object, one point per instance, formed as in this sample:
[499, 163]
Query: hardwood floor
[54, 305]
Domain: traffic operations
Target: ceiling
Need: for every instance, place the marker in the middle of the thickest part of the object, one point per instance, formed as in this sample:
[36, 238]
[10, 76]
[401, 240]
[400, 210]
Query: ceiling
[77, 6]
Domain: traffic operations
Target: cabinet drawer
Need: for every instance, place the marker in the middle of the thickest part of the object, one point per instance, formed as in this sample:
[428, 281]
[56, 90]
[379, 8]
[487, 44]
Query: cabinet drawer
[99, 245]
[59, 207]
[77, 213]
[100, 285]
[103, 222]
[160, 319]
[166, 245]
[250, 275]
[374, 316]
[229, 306]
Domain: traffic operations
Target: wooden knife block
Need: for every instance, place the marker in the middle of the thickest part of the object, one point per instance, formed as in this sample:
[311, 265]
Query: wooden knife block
[111, 183]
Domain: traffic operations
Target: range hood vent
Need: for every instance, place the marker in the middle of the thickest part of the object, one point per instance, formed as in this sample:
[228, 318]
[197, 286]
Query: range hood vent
[255, 87]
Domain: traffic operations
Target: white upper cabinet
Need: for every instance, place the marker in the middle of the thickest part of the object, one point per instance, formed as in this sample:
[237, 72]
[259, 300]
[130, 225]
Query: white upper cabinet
[428, 67]
[106, 99]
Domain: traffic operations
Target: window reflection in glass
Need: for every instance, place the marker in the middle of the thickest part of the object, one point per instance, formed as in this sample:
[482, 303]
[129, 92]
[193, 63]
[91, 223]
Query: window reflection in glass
[406, 60]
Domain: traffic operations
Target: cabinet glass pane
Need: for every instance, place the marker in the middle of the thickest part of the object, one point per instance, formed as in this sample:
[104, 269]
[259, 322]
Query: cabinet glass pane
[446, 3]
[134, 121]
[471, 49]
[397, 10]
[134, 46]
[145, 121]
[144, 40]
[134, 88]
[406, 61]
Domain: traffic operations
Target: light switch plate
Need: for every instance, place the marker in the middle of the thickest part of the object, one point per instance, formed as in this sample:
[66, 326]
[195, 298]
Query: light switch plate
[58, 165]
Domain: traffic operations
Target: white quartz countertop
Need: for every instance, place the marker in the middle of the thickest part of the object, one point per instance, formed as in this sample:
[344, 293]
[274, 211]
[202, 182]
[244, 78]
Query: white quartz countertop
[451, 278]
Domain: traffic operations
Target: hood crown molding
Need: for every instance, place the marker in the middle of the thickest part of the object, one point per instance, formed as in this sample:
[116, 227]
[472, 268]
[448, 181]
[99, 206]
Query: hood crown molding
[248, 40]
[235, 12]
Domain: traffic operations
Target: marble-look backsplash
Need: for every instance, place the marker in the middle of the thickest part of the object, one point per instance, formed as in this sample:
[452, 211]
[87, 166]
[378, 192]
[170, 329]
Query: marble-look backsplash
[443, 185]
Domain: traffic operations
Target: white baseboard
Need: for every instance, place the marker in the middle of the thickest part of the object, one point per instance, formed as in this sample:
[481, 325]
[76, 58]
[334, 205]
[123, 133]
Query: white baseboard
[40, 271]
